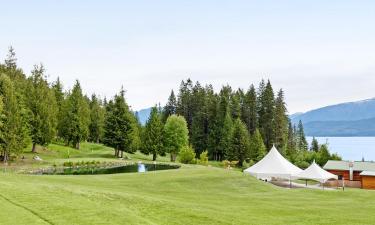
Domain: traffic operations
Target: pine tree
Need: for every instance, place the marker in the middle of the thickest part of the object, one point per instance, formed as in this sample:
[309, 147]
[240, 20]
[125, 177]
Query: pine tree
[96, 126]
[13, 129]
[240, 144]
[314, 145]
[291, 146]
[110, 127]
[176, 135]
[224, 147]
[213, 128]
[170, 108]
[57, 88]
[184, 102]
[249, 110]
[125, 125]
[281, 123]
[301, 139]
[76, 117]
[43, 108]
[236, 101]
[266, 112]
[11, 60]
[199, 133]
[153, 135]
[224, 123]
[257, 147]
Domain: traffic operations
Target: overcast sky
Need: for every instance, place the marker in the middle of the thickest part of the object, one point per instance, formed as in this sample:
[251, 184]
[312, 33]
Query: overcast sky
[319, 52]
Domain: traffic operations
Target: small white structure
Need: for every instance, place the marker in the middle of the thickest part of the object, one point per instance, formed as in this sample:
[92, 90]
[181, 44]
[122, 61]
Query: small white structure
[315, 172]
[273, 165]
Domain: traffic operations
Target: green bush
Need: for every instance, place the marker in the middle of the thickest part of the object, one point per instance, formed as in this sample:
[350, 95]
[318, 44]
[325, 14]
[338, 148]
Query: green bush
[302, 164]
[203, 158]
[187, 155]
[68, 164]
[229, 164]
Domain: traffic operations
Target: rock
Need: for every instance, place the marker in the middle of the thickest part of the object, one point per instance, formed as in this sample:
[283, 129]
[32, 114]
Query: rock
[37, 158]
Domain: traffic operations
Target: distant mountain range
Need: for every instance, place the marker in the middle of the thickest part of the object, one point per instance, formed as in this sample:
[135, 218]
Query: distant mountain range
[346, 119]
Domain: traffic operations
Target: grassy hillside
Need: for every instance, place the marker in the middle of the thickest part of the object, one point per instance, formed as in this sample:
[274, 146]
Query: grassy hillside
[190, 195]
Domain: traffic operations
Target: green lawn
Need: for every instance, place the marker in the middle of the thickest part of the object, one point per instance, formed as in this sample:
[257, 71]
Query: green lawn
[190, 195]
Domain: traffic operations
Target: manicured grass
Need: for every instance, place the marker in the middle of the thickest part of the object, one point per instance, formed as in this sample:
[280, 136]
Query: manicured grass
[192, 194]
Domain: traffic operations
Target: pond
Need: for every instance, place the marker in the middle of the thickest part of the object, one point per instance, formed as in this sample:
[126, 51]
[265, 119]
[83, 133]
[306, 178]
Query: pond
[131, 168]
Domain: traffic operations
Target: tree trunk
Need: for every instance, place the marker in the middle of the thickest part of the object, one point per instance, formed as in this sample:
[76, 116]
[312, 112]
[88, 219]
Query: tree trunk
[154, 157]
[122, 154]
[33, 150]
[5, 160]
[78, 145]
[116, 152]
[173, 157]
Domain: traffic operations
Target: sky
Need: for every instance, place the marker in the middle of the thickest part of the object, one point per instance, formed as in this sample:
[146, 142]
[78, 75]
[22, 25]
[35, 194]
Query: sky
[319, 52]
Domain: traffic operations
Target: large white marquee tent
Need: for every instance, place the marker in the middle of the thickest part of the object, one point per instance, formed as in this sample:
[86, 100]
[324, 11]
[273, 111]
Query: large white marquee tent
[273, 165]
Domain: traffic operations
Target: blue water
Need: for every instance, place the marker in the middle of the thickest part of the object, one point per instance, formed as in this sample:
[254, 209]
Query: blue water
[141, 168]
[350, 148]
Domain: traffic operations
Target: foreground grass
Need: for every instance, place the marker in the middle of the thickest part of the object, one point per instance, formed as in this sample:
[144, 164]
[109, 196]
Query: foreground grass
[190, 195]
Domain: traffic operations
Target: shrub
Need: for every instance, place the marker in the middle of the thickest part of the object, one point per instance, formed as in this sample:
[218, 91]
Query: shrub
[245, 165]
[68, 164]
[203, 158]
[187, 155]
[302, 164]
[229, 164]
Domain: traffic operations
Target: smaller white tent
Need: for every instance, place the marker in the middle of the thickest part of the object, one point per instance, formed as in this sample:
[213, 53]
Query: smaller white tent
[273, 165]
[315, 172]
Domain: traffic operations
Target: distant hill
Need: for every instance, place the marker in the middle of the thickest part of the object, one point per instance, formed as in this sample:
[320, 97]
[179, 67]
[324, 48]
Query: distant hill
[143, 115]
[364, 127]
[342, 112]
[346, 119]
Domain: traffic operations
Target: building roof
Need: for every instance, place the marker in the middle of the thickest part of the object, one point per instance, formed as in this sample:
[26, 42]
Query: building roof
[315, 172]
[344, 165]
[367, 173]
[273, 165]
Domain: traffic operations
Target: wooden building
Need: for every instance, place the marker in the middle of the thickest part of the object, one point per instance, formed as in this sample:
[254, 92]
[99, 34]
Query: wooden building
[368, 179]
[355, 174]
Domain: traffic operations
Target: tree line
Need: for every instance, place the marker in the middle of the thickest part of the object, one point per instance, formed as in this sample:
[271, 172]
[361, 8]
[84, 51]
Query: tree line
[234, 125]
[241, 125]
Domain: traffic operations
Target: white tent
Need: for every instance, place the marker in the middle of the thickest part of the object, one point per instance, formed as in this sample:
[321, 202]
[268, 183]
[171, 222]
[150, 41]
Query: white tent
[273, 165]
[315, 172]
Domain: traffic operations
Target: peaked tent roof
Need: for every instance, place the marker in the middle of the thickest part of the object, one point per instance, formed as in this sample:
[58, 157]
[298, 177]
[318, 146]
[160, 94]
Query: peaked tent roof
[273, 165]
[315, 172]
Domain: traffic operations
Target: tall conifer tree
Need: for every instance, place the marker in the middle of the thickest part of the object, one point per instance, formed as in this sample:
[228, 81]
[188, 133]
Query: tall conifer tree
[43, 107]
[96, 126]
[267, 114]
[76, 117]
[281, 123]
[240, 143]
[249, 110]
[152, 138]
[170, 108]
[13, 129]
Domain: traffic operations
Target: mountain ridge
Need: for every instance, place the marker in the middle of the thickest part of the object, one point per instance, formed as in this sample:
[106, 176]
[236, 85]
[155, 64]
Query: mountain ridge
[356, 118]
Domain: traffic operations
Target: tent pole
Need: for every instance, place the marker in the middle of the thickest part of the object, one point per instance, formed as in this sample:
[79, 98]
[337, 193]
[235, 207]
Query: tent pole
[306, 183]
[290, 182]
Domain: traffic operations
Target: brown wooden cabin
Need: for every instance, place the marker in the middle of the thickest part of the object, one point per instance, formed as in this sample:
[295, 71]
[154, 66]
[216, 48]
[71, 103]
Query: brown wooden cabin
[355, 174]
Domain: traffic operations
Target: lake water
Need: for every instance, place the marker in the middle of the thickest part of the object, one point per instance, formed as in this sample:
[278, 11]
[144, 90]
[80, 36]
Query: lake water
[350, 148]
